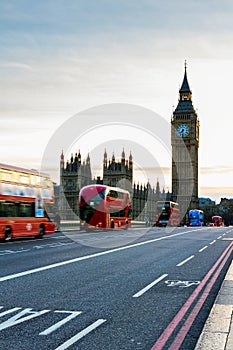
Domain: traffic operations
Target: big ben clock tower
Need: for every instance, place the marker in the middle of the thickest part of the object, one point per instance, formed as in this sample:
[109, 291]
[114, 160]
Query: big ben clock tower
[185, 143]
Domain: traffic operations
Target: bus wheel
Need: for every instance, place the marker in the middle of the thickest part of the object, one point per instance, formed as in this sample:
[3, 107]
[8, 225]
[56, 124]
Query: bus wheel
[7, 234]
[41, 232]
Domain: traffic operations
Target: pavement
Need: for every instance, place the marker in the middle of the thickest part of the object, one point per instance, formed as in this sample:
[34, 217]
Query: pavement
[217, 333]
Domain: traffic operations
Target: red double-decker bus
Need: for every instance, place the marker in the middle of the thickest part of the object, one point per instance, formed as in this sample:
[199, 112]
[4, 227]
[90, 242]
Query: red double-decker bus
[104, 207]
[167, 213]
[26, 202]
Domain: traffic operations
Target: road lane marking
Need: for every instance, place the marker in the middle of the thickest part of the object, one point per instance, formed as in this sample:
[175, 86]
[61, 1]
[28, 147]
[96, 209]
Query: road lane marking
[213, 241]
[66, 262]
[7, 251]
[186, 260]
[219, 237]
[52, 245]
[142, 291]
[49, 245]
[205, 247]
[62, 322]
[80, 335]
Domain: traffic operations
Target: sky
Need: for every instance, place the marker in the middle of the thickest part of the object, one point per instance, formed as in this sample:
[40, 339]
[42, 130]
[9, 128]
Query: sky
[59, 58]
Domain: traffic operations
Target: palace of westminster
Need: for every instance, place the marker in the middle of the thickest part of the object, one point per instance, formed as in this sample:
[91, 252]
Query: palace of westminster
[76, 173]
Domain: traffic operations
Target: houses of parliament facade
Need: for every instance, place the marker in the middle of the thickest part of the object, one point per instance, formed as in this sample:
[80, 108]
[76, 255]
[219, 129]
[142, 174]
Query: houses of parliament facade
[75, 173]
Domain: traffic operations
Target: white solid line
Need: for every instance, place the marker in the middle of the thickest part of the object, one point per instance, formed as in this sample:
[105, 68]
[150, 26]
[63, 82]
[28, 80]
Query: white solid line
[62, 322]
[201, 250]
[142, 291]
[66, 262]
[80, 335]
[213, 241]
[184, 261]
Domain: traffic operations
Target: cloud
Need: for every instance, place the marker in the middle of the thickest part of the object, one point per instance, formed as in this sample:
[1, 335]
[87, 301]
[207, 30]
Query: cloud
[216, 193]
[16, 65]
[218, 169]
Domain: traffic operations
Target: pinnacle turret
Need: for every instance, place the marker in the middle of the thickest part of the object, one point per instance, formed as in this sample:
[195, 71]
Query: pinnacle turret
[185, 104]
[185, 85]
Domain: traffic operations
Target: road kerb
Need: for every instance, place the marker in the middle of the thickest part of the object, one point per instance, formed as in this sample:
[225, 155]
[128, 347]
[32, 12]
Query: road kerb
[218, 330]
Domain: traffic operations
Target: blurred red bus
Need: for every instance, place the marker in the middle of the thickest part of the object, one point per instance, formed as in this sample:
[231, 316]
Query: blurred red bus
[102, 206]
[216, 220]
[26, 202]
[167, 213]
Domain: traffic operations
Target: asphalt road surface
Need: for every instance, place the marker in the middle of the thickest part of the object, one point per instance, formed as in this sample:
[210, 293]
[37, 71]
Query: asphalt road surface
[148, 288]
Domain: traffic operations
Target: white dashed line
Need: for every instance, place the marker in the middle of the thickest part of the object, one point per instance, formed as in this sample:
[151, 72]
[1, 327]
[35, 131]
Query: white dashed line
[142, 291]
[201, 250]
[186, 260]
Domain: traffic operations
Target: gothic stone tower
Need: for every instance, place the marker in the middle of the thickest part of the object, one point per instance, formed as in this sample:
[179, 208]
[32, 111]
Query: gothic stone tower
[185, 143]
[73, 176]
[118, 174]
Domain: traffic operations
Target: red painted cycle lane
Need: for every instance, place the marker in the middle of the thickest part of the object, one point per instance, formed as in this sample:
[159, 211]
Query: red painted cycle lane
[162, 340]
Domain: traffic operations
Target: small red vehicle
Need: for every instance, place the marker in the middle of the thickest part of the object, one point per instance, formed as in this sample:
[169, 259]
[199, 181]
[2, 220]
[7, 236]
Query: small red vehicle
[216, 220]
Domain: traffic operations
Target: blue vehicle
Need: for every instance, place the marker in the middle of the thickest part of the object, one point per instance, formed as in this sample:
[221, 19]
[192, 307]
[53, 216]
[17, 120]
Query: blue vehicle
[196, 217]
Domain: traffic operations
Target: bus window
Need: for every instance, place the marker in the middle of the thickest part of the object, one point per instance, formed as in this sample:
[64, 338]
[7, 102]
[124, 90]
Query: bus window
[6, 175]
[8, 209]
[112, 194]
[26, 209]
[24, 179]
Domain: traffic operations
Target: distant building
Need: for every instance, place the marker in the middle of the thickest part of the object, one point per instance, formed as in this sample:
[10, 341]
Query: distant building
[75, 174]
[118, 173]
[205, 201]
[226, 210]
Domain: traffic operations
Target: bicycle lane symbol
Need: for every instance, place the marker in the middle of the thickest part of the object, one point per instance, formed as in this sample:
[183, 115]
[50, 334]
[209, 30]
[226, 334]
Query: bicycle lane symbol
[181, 284]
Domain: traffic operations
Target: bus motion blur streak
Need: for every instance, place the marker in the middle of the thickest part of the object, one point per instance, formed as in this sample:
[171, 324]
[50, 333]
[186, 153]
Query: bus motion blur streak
[26, 202]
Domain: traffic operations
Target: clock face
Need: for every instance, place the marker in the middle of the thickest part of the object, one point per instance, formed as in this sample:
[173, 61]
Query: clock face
[182, 130]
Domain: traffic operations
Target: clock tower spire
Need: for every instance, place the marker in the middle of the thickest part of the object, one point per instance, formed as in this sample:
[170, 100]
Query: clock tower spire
[185, 143]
